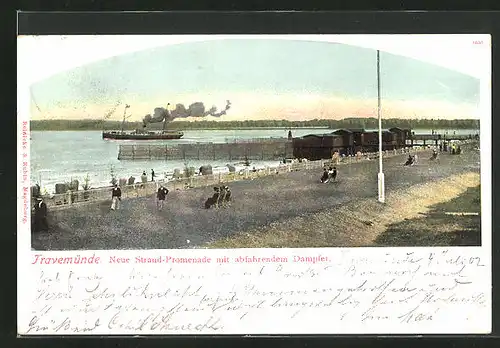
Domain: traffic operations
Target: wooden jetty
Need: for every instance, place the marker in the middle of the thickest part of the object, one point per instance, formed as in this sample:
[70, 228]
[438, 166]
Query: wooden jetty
[271, 149]
[435, 139]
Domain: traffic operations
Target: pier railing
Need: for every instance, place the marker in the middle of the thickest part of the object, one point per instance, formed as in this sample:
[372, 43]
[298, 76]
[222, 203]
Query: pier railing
[434, 139]
[103, 194]
[257, 140]
[252, 149]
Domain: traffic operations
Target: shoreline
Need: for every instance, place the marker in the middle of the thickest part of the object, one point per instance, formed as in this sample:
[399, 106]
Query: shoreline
[234, 128]
[191, 129]
[184, 223]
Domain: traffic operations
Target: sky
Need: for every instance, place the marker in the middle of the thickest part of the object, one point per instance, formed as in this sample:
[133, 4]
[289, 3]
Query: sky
[264, 78]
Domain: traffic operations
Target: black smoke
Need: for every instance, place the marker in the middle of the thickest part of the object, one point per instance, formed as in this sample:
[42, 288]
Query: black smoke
[196, 109]
[159, 114]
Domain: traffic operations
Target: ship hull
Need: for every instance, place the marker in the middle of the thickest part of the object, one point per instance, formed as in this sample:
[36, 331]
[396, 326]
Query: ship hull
[159, 136]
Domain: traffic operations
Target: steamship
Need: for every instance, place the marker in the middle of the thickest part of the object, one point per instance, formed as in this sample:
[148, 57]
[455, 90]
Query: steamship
[141, 134]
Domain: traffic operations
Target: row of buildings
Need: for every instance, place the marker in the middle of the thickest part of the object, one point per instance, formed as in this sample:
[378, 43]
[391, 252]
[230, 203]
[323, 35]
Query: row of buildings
[347, 142]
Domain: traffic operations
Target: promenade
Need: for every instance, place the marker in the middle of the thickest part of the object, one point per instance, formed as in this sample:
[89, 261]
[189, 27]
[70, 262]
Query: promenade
[258, 203]
[138, 189]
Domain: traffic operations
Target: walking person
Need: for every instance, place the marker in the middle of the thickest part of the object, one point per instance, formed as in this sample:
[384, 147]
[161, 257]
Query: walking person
[160, 196]
[144, 179]
[152, 175]
[116, 197]
[40, 223]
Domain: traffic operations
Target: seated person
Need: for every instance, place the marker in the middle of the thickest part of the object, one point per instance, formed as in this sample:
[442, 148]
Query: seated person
[324, 177]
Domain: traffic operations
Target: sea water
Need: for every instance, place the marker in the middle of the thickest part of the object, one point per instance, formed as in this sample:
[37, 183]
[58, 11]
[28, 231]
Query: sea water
[62, 156]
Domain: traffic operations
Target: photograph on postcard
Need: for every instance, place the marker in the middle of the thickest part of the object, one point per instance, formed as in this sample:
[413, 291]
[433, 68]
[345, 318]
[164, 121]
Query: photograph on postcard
[254, 184]
[268, 142]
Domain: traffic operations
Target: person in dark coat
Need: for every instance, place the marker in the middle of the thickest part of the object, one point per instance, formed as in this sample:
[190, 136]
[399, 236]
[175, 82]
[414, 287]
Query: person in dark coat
[324, 177]
[212, 201]
[40, 209]
[160, 196]
[116, 197]
[152, 175]
[409, 161]
[131, 180]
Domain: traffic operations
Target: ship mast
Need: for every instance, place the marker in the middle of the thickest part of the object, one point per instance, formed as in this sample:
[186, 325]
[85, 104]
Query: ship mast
[166, 116]
[108, 114]
[124, 117]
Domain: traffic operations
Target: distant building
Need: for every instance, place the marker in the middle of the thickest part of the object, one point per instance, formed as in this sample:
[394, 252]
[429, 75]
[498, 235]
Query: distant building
[402, 134]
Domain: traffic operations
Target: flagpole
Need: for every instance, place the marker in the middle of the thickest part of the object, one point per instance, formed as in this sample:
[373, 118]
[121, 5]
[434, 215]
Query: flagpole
[381, 184]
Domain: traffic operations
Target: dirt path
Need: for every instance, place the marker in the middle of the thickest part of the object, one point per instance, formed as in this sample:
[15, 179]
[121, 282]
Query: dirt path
[257, 203]
[402, 221]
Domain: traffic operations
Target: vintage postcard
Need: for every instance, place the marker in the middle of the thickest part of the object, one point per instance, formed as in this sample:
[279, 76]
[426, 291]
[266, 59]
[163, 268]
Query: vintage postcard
[254, 184]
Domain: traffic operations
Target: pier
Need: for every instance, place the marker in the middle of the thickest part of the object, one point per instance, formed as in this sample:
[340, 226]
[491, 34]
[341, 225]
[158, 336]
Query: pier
[261, 149]
[266, 149]
[434, 139]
